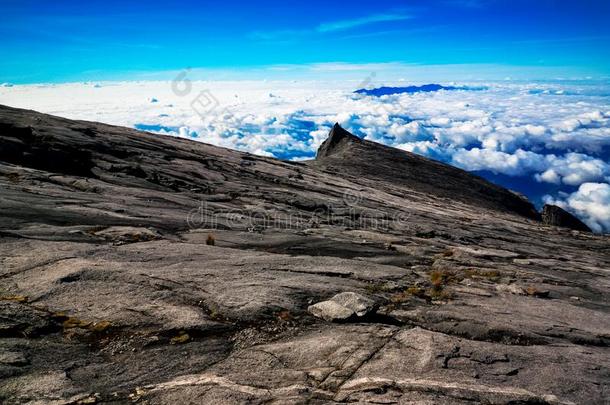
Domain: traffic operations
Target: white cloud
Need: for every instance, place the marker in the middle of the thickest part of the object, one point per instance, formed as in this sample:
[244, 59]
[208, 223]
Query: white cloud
[549, 176]
[327, 27]
[574, 169]
[591, 203]
[357, 22]
[517, 164]
[591, 119]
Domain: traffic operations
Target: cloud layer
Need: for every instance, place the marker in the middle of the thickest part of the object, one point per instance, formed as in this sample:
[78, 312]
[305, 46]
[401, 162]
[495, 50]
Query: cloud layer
[554, 135]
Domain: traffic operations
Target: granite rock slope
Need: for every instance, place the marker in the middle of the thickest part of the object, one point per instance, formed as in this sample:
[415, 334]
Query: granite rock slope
[141, 268]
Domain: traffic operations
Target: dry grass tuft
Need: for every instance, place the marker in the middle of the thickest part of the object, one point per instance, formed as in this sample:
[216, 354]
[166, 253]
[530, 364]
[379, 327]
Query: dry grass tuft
[439, 278]
[284, 315]
[535, 292]
[447, 253]
[211, 240]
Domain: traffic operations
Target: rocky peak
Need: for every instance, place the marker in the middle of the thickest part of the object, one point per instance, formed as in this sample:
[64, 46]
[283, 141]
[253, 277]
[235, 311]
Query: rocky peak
[364, 159]
[337, 139]
[557, 216]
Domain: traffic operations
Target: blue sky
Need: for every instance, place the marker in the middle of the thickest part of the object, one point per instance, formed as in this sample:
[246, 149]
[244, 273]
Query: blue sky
[60, 41]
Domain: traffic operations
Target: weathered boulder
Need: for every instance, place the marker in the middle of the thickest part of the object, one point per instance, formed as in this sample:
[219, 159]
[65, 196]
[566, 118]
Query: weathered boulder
[557, 216]
[330, 311]
[343, 307]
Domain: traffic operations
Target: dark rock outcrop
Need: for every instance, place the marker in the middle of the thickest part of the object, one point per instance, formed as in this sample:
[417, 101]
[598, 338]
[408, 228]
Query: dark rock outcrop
[338, 139]
[24, 146]
[557, 216]
[347, 154]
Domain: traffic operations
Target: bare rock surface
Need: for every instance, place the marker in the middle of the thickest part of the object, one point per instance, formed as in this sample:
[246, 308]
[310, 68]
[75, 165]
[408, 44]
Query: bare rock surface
[139, 268]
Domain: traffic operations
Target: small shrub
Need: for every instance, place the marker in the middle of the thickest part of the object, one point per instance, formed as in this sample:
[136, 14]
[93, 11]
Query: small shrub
[439, 293]
[211, 240]
[439, 278]
[417, 292]
[400, 297]
[443, 277]
[284, 315]
[447, 253]
[534, 292]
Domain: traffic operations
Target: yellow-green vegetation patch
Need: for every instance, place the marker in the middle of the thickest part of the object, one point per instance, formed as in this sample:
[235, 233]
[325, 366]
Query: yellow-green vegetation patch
[439, 279]
[377, 288]
[100, 326]
[182, 337]
[492, 275]
[14, 298]
[73, 322]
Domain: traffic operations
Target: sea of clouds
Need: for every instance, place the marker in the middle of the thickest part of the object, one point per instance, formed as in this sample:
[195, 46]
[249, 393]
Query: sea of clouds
[547, 140]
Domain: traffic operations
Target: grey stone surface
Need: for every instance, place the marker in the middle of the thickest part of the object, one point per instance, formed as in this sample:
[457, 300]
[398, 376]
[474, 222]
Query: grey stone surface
[343, 307]
[109, 292]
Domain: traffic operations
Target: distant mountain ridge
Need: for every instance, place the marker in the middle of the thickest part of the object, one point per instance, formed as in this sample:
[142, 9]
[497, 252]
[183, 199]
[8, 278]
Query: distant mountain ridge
[426, 88]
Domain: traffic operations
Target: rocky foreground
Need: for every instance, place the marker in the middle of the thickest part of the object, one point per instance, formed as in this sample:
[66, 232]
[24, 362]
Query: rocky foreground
[142, 268]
